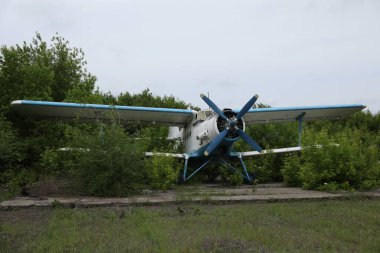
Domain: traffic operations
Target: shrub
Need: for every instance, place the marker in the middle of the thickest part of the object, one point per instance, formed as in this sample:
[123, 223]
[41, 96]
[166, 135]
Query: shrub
[265, 168]
[344, 160]
[11, 146]
[235, 179]
[56, 162]
[260, 167]
[229, 176]
[291, 170]
[12, 155]
[162, 172]
[14, 179]
[104, 160]
[51, 161]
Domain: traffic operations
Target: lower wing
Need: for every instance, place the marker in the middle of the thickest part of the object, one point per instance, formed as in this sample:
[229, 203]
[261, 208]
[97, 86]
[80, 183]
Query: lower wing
[271, 151]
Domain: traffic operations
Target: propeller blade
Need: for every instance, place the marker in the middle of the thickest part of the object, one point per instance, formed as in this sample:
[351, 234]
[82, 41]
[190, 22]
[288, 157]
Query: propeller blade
[215, 142]
[249, 140]
[247, 106]
[213, 107]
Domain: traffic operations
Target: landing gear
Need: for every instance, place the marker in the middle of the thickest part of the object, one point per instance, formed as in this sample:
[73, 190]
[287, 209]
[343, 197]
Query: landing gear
[184, 177]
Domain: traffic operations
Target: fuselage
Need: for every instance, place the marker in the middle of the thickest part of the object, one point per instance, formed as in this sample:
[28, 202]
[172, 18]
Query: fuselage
[205, 126]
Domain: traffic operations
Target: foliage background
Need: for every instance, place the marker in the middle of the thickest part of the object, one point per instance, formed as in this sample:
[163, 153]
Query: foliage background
[55, 71]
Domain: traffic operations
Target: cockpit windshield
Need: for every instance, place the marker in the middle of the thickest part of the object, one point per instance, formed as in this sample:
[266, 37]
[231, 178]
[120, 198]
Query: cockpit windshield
[202, 115]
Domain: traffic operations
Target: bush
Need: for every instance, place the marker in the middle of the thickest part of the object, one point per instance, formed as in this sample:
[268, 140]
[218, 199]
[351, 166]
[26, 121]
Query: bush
[344, 160]
[235, 179]
[229, 176]
[265, 168]
[13, 180]
[291, 170]
[55, 162]
[12, 155]
[260, 167]
[104, 160]
[162, 172]
[11, 146]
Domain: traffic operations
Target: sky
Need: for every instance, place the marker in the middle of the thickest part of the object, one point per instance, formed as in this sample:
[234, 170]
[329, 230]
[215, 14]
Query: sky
[291, 53]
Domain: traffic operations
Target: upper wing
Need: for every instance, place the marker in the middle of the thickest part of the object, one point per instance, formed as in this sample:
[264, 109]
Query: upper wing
[93, 112]
[288, 114]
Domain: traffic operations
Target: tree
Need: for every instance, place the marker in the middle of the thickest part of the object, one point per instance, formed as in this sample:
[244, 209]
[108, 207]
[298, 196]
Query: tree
[40, 71]
[11, 146]
[146, 98]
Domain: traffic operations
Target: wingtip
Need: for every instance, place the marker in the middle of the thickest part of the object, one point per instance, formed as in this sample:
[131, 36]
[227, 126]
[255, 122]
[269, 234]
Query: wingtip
[202, 95]
[16, 102]
[256, 96]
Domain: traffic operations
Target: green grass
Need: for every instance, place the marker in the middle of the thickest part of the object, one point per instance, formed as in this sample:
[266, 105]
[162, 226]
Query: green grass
[326, 226]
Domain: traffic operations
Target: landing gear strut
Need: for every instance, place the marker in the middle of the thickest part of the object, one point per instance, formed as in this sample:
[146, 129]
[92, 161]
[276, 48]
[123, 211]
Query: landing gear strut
[219, 160]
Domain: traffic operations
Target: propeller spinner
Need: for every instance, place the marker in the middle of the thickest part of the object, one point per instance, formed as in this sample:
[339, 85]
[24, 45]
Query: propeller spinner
[230, 125]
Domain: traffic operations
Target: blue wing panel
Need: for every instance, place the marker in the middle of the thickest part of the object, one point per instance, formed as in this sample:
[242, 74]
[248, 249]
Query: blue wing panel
[93, 112]
[288, 114]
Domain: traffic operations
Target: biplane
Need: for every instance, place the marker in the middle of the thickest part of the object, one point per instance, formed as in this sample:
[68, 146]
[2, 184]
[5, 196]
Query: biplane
[207, 135]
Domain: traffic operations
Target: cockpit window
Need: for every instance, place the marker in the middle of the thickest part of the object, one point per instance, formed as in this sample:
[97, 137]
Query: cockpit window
[208, 113]
[200, 115]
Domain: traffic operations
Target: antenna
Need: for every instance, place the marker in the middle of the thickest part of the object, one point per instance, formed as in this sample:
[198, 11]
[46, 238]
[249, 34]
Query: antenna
[208, 95]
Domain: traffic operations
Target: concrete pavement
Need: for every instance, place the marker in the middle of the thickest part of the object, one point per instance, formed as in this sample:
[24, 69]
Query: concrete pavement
[193, 194]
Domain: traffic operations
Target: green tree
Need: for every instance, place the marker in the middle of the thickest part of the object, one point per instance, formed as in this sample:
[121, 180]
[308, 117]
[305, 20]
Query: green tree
[42, 71]
[148, 99]
[11, 146]
[39, 71]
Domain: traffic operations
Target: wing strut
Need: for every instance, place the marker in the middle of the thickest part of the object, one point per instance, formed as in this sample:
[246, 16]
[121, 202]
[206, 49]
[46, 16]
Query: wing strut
[300, 121]
[185, 177]
[246, 175]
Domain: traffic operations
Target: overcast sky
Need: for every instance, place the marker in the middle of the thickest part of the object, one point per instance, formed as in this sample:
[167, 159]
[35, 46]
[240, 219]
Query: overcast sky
[295, 52]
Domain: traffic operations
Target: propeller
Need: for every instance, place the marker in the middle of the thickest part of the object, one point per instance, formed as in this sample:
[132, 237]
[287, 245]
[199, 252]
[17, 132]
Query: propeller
[232, 125]
[214, 107]
[247, 106]
[215, 142]
[249, 140]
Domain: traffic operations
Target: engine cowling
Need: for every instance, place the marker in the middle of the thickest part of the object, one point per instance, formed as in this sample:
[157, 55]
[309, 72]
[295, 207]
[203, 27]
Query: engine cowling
[222, 124]
[230, 125]
[214, 125]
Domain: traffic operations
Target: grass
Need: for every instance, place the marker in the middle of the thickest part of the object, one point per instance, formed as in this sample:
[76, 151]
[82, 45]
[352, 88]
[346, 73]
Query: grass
[325, 226]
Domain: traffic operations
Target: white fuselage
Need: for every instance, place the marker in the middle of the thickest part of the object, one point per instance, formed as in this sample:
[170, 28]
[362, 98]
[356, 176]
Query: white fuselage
[200, 132]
